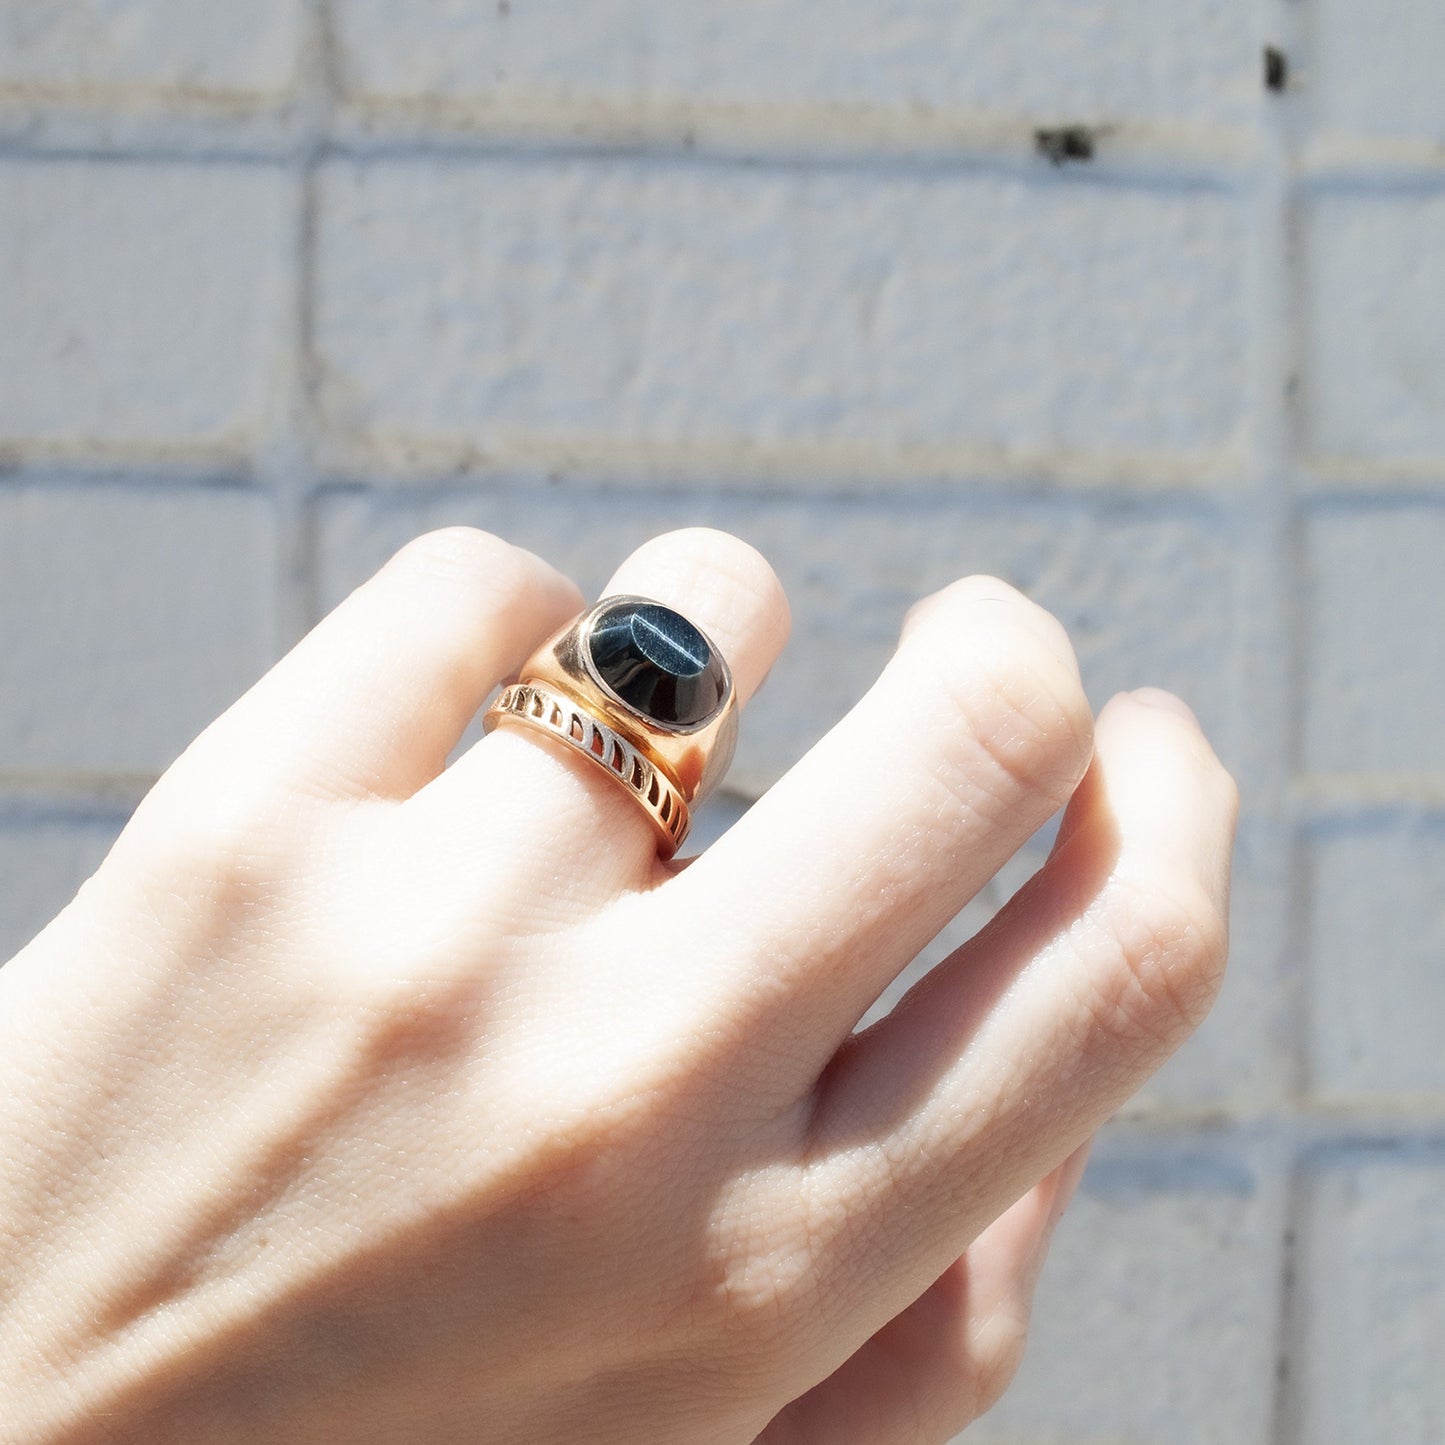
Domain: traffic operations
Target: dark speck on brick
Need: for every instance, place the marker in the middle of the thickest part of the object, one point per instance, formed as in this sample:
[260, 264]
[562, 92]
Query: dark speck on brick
[1065, 143]
[1276, 68]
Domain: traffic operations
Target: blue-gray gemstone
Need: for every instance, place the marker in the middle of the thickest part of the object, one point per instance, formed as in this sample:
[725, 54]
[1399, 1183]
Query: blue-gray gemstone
[658, 663]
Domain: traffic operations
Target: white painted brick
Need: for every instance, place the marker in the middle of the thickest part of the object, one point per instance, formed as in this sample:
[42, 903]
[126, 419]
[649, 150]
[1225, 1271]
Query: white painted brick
[507, 303]
[42, 862]
[1375, 326]
[1376, 71]
[144, 302]
[1372, 1302]
[1154, 1317]
[69, 48]
[1148, 597]
[1374, 639]
[131, 619]
[1196, 60]
[1376, 937]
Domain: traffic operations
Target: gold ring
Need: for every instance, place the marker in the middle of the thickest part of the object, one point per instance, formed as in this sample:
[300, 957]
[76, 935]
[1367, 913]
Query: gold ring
[643, 694]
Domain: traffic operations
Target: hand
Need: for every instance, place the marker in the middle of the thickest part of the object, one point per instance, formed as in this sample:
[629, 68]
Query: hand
[355, 1099]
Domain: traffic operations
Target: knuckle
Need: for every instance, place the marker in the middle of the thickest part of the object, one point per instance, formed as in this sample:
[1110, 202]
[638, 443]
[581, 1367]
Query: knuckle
[1034, 723]
[757, 1316]
[411, 1012]
[1016, 687]
[226, 827]
[219, 882]
[757, 1287]
[756, 1292]
[1172, 937]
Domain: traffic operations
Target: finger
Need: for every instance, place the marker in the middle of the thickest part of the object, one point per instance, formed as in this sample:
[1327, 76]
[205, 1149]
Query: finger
[949, 1356]
[1002, 1268]
[566, 811]
[373, 699]
[974, 735]
[1028, 1037]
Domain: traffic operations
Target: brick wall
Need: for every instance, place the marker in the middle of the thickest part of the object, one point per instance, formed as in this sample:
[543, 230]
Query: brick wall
[283, 284]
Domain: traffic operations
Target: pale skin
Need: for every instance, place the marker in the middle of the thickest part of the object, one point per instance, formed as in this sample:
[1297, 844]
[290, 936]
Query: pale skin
[359, 1099]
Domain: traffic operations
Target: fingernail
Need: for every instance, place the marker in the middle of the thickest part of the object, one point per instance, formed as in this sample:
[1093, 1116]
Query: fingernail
[1165, 702]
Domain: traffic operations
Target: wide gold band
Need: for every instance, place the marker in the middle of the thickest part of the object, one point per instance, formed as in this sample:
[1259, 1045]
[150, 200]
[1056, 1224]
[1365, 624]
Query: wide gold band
[666, 767]
[538, 705]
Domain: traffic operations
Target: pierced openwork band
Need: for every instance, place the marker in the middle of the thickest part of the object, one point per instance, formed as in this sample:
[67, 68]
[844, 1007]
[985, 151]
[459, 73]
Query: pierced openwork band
[540, 706]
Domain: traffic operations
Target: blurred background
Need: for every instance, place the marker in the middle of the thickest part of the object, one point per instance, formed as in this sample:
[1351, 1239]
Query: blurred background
[1139, 305]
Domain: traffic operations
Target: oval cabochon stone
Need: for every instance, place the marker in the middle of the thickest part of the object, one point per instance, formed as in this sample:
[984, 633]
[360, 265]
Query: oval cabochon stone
[657, 663]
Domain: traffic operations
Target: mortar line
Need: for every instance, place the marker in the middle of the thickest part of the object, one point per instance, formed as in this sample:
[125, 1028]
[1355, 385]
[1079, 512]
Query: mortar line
[597, 465]
[1102, 476]
[1277, 380]
[288, 463]
[260, 126]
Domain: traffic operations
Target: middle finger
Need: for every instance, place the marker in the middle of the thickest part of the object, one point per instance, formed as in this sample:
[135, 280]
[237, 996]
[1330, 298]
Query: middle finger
[976, 733]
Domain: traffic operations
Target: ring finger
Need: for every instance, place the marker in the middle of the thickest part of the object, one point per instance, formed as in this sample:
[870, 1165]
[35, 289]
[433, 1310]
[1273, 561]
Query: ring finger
[565, 815]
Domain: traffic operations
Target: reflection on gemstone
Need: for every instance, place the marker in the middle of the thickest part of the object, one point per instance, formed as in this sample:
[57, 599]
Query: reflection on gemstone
[657, 663]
